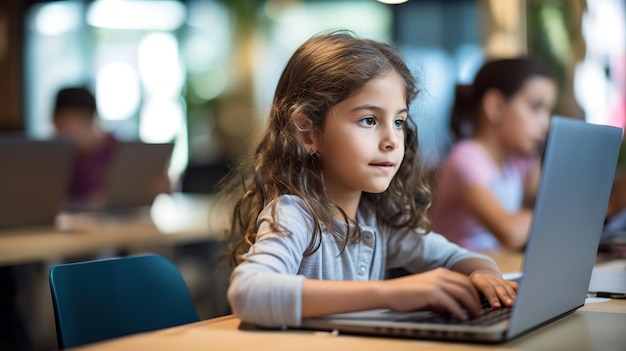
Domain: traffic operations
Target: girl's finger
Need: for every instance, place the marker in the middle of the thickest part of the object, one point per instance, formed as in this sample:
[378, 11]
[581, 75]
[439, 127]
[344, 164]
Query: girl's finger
[506, 293]
[464, 294]
[450, 305]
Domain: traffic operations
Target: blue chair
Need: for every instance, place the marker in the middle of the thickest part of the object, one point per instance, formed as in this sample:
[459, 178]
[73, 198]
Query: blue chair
[109, 298]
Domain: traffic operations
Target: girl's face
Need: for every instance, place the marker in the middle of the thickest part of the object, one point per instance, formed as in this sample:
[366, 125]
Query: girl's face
[526, 116]
[362, 140]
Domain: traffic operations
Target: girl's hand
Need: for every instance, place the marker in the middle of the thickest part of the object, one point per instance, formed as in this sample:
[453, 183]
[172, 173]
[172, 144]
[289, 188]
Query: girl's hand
[496, 290]
[440, 290]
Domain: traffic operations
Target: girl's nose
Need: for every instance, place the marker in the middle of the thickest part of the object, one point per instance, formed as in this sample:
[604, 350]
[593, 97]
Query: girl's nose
[391, 139]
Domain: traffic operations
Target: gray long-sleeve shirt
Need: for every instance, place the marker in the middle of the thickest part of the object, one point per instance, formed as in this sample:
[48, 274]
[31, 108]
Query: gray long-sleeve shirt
[266, 288]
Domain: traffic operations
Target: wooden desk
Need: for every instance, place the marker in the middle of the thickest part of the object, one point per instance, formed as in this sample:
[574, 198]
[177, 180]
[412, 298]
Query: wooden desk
[173, 219]
[590, 328]
[599, 325]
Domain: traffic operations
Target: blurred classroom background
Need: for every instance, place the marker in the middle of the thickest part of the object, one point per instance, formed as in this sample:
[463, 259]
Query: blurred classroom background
[201, 74]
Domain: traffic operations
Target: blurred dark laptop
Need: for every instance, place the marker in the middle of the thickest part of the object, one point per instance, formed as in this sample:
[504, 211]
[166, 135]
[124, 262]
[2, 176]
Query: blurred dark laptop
[137, 174]
[34, 175]
[613, 240]
[578, 169]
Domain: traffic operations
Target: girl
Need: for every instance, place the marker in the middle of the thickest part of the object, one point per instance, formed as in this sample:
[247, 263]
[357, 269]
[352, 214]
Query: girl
[501, 122]
[335, 196]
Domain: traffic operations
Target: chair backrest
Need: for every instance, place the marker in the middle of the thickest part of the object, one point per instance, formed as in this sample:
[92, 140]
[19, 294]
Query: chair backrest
[108, 298]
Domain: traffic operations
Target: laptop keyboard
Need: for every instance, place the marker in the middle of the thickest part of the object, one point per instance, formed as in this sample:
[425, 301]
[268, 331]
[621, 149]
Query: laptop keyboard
[487, 316]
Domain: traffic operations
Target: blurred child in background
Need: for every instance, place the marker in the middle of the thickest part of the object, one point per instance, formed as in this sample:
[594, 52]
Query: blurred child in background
[74, 117]
[491, 173]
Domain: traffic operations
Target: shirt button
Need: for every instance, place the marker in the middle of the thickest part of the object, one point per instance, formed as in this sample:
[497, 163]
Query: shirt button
[368, 237]
[361, 270]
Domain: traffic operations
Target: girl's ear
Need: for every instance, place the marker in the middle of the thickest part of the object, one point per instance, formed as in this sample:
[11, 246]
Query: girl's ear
[308, 136]
[310, 141]
[493, 105]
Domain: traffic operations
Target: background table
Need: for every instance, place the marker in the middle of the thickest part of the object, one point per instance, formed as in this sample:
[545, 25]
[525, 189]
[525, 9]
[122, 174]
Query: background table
[172, 220]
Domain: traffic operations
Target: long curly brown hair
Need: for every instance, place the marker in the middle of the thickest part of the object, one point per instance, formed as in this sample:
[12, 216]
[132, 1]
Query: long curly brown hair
[322, 72]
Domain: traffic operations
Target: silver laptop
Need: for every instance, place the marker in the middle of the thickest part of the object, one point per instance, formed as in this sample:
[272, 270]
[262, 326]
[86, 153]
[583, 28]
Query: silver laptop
[578, 170]
[135, 174]
[34, 176]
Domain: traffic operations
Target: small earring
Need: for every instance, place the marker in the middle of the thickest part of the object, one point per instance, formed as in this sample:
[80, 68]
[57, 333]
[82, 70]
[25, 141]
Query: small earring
[311, 151]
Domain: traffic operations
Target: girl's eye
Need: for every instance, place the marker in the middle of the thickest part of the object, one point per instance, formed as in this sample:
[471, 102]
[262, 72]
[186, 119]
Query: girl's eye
[367, 121]
[536, 107]
[399, 122]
